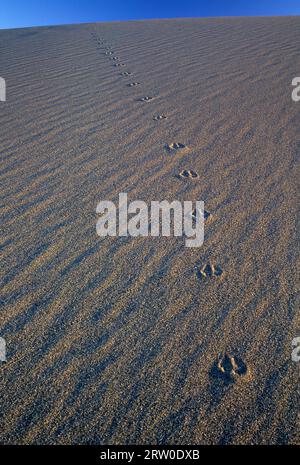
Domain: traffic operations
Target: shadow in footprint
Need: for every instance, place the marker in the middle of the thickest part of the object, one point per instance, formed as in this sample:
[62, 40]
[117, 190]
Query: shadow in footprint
[225, 372]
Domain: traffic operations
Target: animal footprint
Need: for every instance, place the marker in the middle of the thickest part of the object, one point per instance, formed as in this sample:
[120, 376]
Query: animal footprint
[209, 271]
[126, 73]
[115, 58]
[207, 214]
[109, 53]
[119, 64]
[146, 99]
[188, 174]
[159, 117]
[176, 146]
[133, 84]
[231, 367]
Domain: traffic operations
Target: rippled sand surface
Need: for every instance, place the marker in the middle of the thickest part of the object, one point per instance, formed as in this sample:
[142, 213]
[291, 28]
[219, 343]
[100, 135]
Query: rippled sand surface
[117, 340]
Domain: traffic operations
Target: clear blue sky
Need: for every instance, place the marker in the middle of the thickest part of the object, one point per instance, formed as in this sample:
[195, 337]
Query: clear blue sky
[24, 13]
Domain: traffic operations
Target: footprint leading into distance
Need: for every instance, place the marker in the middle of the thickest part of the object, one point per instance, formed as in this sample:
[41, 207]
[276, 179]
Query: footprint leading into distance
[159, 117]
[209, 271]
[188, 174]
[177, 147]
[207, 214]
[146, 99]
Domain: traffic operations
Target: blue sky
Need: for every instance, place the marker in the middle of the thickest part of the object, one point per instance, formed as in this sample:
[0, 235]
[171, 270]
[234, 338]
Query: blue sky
[24, 13]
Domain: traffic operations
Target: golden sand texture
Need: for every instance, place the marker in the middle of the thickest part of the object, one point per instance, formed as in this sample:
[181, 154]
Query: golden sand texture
[142, 340]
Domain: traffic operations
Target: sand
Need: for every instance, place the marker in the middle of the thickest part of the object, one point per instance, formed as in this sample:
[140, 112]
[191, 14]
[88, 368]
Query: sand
[117, 340]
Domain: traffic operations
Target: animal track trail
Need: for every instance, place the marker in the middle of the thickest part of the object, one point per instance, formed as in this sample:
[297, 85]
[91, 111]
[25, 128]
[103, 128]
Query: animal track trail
[188, 174]
[159, 117]
[209, 271]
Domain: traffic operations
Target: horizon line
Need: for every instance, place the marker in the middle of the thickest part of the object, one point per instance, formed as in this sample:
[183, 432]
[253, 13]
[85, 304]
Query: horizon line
[148, 19]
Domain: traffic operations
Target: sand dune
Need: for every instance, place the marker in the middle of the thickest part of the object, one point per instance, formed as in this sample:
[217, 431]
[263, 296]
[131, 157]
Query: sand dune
[122, 340]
